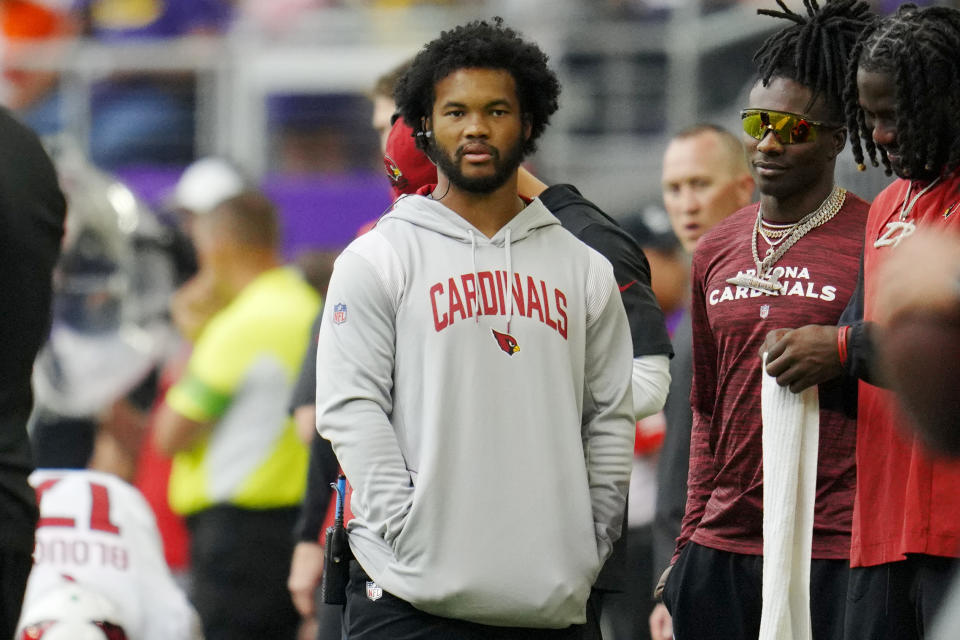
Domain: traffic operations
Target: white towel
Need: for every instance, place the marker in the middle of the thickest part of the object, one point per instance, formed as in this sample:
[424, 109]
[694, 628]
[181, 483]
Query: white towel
[791, 433]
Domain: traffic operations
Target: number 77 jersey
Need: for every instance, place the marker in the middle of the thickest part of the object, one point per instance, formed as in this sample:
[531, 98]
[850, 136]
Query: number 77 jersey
[97, 530]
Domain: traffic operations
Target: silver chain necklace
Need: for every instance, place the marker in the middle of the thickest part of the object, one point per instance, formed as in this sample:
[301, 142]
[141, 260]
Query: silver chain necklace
[764, 280]
[897, 230]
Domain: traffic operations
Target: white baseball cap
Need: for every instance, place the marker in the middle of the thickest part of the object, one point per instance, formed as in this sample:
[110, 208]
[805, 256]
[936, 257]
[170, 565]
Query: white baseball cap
[206, 183]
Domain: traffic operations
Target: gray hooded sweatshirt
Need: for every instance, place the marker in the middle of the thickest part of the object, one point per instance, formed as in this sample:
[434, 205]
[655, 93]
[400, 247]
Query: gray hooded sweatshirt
[486, 430]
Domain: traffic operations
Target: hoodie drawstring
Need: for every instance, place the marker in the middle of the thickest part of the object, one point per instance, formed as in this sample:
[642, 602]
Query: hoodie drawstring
[506, 246]
[476, 276]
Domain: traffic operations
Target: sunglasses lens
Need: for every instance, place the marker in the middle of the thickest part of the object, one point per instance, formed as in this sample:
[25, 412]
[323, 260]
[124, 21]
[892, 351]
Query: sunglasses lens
[753, 124]
[789, 128]
[800, 131]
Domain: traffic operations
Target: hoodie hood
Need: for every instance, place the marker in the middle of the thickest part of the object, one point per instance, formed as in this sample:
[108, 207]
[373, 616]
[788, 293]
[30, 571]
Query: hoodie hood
[430, 214]
[427, 213]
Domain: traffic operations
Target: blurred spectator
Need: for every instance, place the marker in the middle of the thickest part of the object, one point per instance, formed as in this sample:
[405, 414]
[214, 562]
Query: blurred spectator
[111, 341]
[277, 17]
[239, 469]
[202, 186]
[136, 117]
[320, 133]
[110, 327]
[87, 515]
[30, 21]
[918, 302]
[324, 133]
[400, 4]
[32, 209]
[668, 264]
[918, 313]
[384, 109]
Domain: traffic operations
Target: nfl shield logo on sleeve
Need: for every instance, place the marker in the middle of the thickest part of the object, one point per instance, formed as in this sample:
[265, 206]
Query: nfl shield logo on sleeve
[339, 313]
[764, 310]
[373, 591]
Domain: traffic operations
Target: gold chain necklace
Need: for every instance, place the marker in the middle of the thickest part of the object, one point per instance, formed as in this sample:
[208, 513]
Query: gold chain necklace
[764, 280]
[775, 237]
[770, 230]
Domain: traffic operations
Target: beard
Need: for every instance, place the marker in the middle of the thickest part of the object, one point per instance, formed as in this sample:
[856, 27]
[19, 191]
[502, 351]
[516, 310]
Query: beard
[504, 167]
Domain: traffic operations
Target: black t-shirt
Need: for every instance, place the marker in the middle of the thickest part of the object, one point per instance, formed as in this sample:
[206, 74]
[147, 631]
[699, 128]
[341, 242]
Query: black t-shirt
[305, 388]
[323, 467]
[32, 212]
[599, 231]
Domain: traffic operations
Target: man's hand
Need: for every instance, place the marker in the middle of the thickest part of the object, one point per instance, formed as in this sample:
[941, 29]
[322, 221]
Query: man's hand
[661, 624]
[306, 567]
[194, 303]
[801, 358]
[658, 590]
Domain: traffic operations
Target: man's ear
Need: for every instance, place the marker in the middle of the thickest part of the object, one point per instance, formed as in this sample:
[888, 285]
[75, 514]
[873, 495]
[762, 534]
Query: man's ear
[839, 138]
[527, 128]
[423, 135]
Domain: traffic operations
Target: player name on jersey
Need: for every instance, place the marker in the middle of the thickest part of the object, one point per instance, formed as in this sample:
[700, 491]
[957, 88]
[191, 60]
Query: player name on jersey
[462, 297]
[71, 552]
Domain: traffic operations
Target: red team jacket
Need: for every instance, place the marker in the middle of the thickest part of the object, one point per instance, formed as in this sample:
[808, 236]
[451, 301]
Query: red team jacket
[906, 501]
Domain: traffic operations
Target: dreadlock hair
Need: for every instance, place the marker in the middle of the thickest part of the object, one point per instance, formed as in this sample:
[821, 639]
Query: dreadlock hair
[479, 45]
[918, 49]
[814, 50]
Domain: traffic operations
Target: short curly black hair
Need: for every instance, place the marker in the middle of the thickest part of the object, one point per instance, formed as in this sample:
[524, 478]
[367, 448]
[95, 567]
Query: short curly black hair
[480, 45]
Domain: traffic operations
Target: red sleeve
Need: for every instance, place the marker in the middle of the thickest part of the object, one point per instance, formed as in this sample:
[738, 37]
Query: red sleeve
[700, 478]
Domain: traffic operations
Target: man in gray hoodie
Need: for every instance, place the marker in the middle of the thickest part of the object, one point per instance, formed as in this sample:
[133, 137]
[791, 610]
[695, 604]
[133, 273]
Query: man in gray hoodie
[474, 369]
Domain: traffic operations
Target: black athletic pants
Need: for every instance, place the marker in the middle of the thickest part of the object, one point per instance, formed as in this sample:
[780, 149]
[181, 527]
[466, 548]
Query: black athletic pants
[14, 570]
[240, 560]
[898, 600]
[390, 618]
[715, 594]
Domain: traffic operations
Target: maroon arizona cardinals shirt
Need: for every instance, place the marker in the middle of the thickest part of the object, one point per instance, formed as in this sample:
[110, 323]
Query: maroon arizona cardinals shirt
[725, 486]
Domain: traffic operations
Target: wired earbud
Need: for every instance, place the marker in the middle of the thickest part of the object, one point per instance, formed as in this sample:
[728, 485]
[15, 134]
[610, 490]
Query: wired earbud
[424, 131]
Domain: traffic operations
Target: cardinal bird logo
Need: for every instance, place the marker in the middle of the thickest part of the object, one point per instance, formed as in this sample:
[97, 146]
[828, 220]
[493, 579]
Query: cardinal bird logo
[507, 342]
[950, 210]
[397, 179]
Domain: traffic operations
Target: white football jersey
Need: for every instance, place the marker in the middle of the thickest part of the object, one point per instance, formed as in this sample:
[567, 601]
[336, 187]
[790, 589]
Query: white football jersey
[98, 530]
